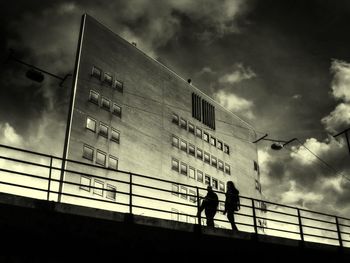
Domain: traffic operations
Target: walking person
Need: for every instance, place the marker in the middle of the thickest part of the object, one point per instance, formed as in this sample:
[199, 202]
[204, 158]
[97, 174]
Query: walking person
[209, 204]
[232, 203]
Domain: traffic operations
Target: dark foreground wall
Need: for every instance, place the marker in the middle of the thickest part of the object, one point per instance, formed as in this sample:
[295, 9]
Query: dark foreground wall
[39, 231]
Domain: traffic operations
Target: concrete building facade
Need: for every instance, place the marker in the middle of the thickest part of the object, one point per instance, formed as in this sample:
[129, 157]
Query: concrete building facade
[131, 113]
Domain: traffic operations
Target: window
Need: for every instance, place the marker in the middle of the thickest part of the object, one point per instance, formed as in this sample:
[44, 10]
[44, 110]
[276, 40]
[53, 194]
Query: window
[90, 124]
[85, 183]
[191, 149]
[115, 135]
[98, 187]
[117, 110]
[183, 123]
[183, 168]
[103, 130]
[199, 154]
[183, 192]
[199, 176]
[215, 183]
[212, 141]
[214, 161]
[191, 127]
[206, 157]
[93, 96]
[88, 152]
[256, 167]
[113, 162]
[100, 158]
[221, 165]
[105, 103]
[108, 79]
[208, 113]
[175, 189]
[183, 145]
[205, 136]
[196, 107]
[227, 169]
[192, 173]
[111, 192]
[118, 85]
[207, 179]
[257, 186]
[175, 119]
[175, 141]
[199, 132]
[175, 165]
[221, 186]
[226, 149]
[96, 72]
[192, 195]
[219, 145]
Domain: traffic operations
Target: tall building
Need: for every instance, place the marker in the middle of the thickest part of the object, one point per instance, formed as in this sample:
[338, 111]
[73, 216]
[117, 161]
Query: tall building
[131, 113]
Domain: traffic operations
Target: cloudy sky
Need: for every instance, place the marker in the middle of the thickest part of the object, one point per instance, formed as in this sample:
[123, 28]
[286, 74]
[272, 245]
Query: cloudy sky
[283, 66]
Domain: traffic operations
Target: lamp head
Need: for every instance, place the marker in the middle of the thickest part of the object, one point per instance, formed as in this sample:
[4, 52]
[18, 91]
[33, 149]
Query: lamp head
[276, 146]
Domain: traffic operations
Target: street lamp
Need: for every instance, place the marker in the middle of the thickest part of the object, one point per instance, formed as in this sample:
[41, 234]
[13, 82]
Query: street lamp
[277, 144]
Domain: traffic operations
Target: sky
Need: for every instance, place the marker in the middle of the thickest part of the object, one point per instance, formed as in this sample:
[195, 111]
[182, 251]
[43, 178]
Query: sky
[282, 66]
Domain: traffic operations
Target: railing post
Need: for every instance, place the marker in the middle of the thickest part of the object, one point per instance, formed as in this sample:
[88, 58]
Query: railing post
[130, 194]
[49, 183]
[199, 217]
[339, 233]
[254, 217]
[300, 226]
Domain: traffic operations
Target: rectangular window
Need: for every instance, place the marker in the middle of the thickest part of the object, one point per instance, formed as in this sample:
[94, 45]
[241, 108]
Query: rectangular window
[206, 157]
[215, 184]
[199, 153]
[183, 123]
[212, 141]
[175, 141]
[111, 192]
[183, 192]
[226, 149]
[221, 186]
[117, 110]
[192, 173]
[256, 167]
[196, 107]
[183, 145]
[199, 132]
[191, 127]
[214, 161]
[100, 158]
[175, 119]
[220, 145]
[108, 79]
[88, 152]
[118, 85]
[90, 124]
[105, 103]
[183, 168]
[205, 136]
[96, 72]
[103, 130]
[191, 149]
[85, 183]
[208, 114]
[175, 165]
[113, 162]
[207, 179]
[115, 135]
[221, 165]
[227, 169]
[199, 176]
[175, 189]
[93, 96]
[192, 196]
[98, 187]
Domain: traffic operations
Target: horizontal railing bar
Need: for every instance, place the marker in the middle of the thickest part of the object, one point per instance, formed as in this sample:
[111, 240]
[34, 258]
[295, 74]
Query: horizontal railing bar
[320, 228]
[343, 225]
[324, 237]
[318, 220]
[277, 221]
[282, 230]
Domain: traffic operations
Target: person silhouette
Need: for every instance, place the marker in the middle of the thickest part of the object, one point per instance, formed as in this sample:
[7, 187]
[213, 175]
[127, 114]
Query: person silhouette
[232, 203]
[209, 204]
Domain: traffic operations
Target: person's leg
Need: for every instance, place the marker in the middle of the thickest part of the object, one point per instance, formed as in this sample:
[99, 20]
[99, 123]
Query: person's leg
[210, 221]
[231, 218]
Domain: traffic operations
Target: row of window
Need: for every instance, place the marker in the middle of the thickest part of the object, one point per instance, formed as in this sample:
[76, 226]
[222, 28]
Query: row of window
[103, 129]
[105, 103]
[200, 154]
[107, 78]
[98, 187]
[99, 157]
[197, 131]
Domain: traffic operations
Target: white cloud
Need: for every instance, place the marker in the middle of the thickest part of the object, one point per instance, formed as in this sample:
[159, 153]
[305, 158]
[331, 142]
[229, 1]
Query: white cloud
[234, 103]
[341, 80]
[294, 195]
[239, 74]
[296, 96]
[9, 136]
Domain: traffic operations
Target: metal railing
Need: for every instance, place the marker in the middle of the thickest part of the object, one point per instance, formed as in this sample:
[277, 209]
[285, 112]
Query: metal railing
[37, 175]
